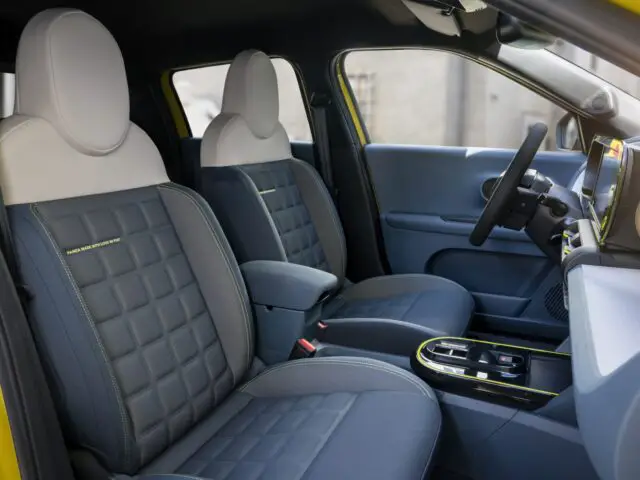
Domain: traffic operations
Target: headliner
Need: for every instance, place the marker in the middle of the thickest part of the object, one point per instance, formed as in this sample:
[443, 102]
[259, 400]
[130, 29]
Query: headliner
[169, 33]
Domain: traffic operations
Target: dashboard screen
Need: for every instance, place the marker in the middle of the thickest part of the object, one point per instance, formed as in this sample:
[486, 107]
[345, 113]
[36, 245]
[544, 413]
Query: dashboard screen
[604, 191]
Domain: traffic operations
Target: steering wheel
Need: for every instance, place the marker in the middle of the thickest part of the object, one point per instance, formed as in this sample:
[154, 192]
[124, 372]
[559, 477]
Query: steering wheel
[507, 185]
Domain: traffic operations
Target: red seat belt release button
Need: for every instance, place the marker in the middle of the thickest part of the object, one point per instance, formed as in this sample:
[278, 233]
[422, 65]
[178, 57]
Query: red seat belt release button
[303, 348]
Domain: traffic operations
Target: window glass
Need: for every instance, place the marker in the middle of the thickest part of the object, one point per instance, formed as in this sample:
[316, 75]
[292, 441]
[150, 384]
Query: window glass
[200, 92]
[427, 97]
[607, 71]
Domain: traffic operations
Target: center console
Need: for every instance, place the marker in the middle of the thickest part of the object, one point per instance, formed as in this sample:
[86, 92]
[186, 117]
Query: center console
[516, 376]
[287, 302]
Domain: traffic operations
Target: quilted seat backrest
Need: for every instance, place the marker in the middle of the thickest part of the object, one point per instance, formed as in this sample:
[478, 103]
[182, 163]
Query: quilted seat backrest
[139, 310]
[272, 206]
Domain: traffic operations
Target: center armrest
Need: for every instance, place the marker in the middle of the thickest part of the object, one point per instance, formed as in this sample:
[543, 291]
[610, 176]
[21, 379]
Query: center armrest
[287, 285]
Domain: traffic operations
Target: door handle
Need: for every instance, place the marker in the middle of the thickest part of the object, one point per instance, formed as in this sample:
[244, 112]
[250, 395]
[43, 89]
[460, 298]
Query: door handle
[487, 187]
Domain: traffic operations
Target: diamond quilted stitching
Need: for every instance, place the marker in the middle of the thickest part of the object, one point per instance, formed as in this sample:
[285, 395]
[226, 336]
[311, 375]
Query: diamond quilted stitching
[149, 312]
[289, 213]
[271, 438]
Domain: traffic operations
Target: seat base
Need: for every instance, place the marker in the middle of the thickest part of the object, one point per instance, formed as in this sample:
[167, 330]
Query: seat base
[394, 314]
[339, 418]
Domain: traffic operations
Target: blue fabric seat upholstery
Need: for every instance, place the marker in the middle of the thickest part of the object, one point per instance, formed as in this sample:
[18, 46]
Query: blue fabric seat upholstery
[274, 207]
[140, 314]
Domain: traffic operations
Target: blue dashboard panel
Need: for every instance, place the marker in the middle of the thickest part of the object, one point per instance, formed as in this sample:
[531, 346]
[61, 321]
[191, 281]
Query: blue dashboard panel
[605, 340]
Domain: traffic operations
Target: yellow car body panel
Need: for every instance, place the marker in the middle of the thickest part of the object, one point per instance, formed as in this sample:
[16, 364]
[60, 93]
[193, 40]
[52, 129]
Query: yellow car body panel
[631, 5]
[9, 469]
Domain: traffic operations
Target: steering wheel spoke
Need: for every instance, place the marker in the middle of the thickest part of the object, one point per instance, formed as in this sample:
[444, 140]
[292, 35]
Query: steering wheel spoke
[498, 204]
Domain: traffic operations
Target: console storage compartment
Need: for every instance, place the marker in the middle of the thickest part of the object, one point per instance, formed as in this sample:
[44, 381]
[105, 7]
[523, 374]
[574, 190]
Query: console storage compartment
[287, 300]
[517, 376]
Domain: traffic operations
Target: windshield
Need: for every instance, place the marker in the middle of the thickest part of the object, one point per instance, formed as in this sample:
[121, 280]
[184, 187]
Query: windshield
[610, 73]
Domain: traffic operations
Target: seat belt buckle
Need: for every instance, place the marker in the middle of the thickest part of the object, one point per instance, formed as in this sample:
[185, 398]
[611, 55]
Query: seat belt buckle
[303, 348]
[321, 330]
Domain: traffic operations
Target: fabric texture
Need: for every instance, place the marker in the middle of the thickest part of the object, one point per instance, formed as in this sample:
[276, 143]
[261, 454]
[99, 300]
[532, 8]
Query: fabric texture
[325, 217]
[438, 305]
[371, 410]
[235, 198]
[287, 285]
[140, 313]
[139, 294]
[213, 265]
[277, 187]
[296, 221]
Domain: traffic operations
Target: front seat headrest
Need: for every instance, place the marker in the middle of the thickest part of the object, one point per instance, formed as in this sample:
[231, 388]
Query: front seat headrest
[251, 91]
[70, 72]
[247, 130]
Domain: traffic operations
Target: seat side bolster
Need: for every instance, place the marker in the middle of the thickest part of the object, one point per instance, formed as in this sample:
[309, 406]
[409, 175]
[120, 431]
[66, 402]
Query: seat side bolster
[334, 374]
[324, 215]
[242, 214]
[217, 272]
[88, 397]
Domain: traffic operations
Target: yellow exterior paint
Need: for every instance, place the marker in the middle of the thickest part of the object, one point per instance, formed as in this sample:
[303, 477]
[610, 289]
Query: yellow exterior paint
[8, 461]
[352, 109]
[631, 5]
[174, 106]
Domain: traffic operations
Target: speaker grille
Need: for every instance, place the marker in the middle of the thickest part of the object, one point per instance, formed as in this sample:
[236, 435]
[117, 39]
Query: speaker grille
[554, 303]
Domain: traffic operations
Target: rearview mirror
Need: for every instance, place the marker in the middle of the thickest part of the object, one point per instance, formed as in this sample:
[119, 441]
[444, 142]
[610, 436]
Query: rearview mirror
[567, 135]
[515, 33]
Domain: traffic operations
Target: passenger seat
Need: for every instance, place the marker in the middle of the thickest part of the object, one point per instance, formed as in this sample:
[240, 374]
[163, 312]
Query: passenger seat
[139, 310]
[275, 207]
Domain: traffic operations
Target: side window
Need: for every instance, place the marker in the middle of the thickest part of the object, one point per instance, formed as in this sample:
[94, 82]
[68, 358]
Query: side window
[427, 97]
[8, 91]
[200, 92]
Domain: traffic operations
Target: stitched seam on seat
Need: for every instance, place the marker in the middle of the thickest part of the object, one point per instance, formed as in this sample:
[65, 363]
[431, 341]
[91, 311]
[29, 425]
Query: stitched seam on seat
[229, 266]
[333, 428]
[332, 212]
[16, 128]
[433, 447]
[265, 210]
[413, 304]
[123, 413]
[334, 361]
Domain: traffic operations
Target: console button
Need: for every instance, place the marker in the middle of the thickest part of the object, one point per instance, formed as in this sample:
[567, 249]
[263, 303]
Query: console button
[505, 359]
[510, 360]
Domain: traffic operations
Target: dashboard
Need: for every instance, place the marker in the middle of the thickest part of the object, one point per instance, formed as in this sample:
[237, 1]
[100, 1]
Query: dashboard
[601, 266]
[607, 196]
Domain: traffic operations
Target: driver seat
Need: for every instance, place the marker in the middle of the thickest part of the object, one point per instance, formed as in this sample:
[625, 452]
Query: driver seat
[275, 207]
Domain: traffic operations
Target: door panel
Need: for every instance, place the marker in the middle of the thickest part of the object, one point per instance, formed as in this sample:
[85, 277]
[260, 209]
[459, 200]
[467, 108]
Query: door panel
[429, 199]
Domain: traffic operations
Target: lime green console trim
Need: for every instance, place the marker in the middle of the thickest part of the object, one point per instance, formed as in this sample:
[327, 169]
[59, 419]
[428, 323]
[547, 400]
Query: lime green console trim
[427, 364]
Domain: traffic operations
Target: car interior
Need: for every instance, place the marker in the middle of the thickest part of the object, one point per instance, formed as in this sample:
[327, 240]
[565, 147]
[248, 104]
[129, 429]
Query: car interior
[199, 286]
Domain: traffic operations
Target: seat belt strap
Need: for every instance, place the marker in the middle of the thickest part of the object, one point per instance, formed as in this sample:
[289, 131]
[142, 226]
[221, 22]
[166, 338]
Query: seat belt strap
[319, 104]
[9, 253]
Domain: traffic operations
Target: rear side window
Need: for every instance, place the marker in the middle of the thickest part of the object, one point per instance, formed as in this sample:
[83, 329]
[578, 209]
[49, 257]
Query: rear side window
[8, 90]
[200, 93]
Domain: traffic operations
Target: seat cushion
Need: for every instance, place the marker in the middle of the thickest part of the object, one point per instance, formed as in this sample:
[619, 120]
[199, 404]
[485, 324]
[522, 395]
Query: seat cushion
[338, 418]
[397, 312]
